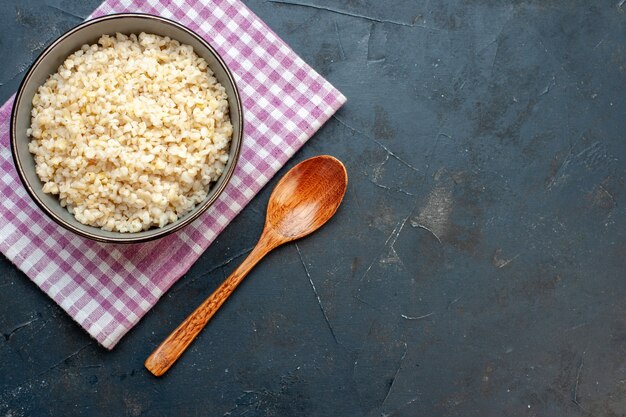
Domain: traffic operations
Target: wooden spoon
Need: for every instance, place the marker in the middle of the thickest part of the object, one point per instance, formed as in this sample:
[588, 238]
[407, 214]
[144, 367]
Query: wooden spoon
[303, 200]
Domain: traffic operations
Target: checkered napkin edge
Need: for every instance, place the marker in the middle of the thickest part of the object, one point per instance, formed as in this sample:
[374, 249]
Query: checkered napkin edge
[107, 288]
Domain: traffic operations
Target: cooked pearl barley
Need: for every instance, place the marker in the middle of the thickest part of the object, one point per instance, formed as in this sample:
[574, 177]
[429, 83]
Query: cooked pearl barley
[130, 132]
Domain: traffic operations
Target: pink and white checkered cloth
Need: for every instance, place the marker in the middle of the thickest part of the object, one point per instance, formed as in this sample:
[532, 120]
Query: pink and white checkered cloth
[108, 288]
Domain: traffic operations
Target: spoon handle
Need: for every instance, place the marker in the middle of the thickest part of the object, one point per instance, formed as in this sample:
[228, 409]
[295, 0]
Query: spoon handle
[171, 348]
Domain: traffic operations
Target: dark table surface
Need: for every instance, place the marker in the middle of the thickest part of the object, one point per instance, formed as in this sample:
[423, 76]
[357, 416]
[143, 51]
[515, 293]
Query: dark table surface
[476, 267]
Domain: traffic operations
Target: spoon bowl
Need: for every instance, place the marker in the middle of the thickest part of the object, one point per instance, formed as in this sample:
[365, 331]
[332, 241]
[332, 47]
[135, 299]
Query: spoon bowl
[303, 200]
[306, 198]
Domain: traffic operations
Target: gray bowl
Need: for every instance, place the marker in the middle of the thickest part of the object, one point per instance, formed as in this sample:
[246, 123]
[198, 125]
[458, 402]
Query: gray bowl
[48, 63]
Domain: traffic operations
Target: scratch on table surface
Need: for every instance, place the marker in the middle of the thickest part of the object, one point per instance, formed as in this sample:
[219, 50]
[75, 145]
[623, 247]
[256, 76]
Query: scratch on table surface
[404, 316]
[411, 401]
[551, 84]
[499, 262]
[319, 301]
[557, 176]
[508, 261]
[621, 3]
[341, 50]
[42, 326]
[357, 15]
[495, 56]
[384, 187]
[578, 326]
[393, 380]
[577, 381]
[436, 141]
[602, 40]
[591, 155]
[53, 310]
[350, 127]
[213, 269]
[8, 335]
[403, 191]
[263, 401]
[373, 307]
[396, 190]
[497, 35]
[389, 152]
[393, 155]
[456, 300]
[393, 257]
[68, 357]
[377, 172]
[433, 217]
[611, 196]
[35, 46]
[371, 58]
[389, 243]
[67, 12]
[369, 41]
[496, 41]
[421, 226]
[433, 149]
[356, 197]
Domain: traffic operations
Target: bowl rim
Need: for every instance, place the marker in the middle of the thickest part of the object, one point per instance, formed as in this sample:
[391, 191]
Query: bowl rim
[126, 237]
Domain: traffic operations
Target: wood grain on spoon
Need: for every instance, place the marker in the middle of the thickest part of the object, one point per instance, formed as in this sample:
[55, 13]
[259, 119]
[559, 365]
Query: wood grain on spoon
[303, 200]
